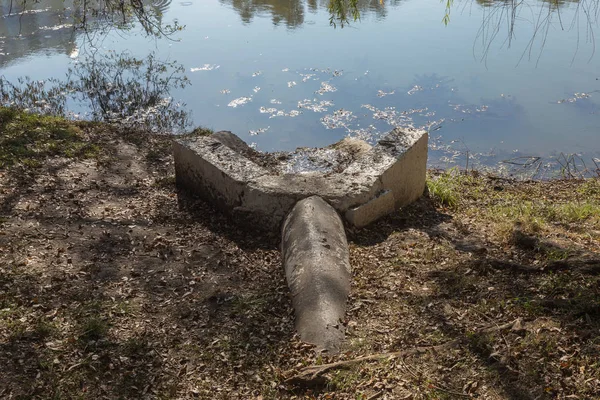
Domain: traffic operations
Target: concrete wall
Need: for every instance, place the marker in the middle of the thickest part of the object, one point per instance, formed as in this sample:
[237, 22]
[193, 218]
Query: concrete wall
[376, 182]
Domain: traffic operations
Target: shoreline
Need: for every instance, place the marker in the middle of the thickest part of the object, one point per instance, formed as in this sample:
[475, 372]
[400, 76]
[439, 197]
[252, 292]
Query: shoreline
[114, 285]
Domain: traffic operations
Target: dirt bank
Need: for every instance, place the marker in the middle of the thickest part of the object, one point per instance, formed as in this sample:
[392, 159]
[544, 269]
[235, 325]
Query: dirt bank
[113, 286]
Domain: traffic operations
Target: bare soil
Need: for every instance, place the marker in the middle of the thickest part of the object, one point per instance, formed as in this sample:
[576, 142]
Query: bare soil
[114, 285]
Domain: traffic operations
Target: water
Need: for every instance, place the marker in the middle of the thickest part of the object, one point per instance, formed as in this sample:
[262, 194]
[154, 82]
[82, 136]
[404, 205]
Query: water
[276, 72]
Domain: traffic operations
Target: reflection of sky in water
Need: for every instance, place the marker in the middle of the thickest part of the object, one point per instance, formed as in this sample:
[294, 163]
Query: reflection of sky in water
[281, 78]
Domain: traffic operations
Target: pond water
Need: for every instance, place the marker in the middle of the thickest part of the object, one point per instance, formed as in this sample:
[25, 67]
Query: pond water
[497, 82]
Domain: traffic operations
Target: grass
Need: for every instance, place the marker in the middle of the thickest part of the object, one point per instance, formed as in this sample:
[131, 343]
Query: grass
[345, 380]
[44, 329]
[542, 211]
[136, 347]
[201, 131]
[165, 182]
[526, 210]
[474, 253]
[444, 188]
[590, 188]
[555, 254]
[28, 139]
[93, 328]
[198, 131]
[155, 155]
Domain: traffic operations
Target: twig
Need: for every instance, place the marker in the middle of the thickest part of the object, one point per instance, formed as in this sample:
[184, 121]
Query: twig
[500, 178]
[313, 375]
[376, 395]
[441, 389]
[499, 327]
[587, 266]
[597, 167]
[431, 385]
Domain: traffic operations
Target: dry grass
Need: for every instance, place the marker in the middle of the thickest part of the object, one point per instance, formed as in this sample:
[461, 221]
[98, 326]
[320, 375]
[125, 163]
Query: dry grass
[114, 285]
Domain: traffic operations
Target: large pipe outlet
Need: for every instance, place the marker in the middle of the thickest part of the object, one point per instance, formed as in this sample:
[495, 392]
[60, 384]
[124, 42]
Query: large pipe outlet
[317, 268]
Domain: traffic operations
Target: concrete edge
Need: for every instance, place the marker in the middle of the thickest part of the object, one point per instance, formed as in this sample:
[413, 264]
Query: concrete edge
[224, 175]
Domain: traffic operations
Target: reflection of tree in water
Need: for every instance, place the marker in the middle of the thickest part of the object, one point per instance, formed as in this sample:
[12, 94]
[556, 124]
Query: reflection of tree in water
[84, 14]
[502, 16]
[27, 26]
[554, 4]
[35, 28]
[292, 12]
[112, 88]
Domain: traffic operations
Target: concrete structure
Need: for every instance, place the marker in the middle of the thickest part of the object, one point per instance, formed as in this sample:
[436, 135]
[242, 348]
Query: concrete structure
[317, 268]
[362, 183]
[306, 190]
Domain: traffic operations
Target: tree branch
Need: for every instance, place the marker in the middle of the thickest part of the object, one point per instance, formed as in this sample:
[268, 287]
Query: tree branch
[314, 375]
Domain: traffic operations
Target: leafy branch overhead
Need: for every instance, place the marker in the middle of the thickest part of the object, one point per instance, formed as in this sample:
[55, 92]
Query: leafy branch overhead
[343, 11]
[115, 88]
[104, 15]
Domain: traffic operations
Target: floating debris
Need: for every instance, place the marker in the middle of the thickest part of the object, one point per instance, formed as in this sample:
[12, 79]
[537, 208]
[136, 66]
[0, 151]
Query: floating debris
[205, 67]
[285, 70]
[225, 91]
[369, 107]
[390, 115]
[576, 96]
[257, 73]
[369, 134]
[415, 89]
[278, 113]
[339, 119]
[256, 89]
[240, 101]
[25, 12]
[315, 105]
[433, 126]
[306, 77]
[291, 84]
[461, 108]
[258, 131]
[55, 27]
[325, 88]
[387, 114]
[419, 111]
[381, 93]
[275, 101]
[338, 72]
[264, 110]
[282, 113]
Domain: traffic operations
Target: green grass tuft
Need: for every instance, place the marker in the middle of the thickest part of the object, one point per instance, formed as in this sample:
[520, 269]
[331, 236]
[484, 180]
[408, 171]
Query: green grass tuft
[93, 328]
[28, 139]
[444, 189]
[201, 131]
[590, 188]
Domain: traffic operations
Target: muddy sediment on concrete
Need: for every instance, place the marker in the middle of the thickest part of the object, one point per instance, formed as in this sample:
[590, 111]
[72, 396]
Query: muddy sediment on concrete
[361, 182]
